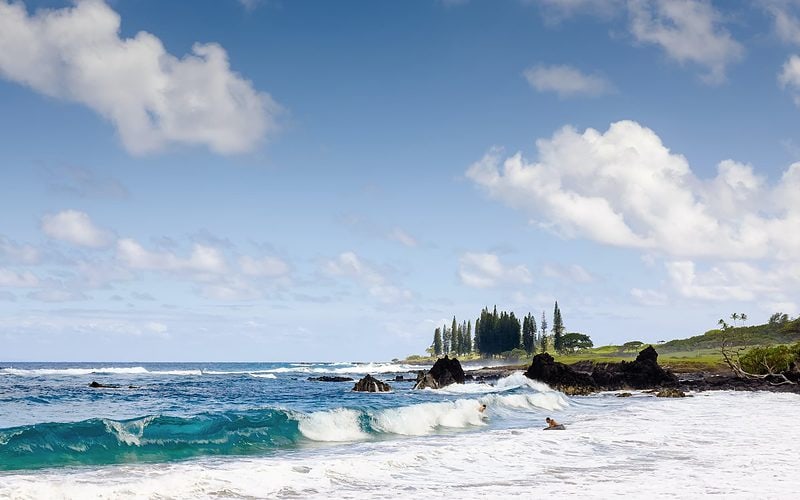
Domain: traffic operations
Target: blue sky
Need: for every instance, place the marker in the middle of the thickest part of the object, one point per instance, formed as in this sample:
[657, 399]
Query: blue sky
[307, 180]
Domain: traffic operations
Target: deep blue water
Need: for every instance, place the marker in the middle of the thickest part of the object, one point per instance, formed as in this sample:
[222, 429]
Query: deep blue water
[50, 416]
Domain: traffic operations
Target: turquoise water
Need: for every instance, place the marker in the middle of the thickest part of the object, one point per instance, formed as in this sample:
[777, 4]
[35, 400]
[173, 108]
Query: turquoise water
[50, 417]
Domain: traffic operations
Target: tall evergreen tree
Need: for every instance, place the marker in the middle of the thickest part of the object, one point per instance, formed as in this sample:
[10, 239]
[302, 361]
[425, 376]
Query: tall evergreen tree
[476, 341]
[543, 329]
[446, 336]
[558, 329]
[456, 345]
[528, 333]
[468, 338]
[437, 342]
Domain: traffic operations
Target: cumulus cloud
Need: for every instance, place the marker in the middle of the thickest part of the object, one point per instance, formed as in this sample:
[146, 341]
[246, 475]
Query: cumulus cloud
[203, 259]
[789, 77]
[350, 265]
[16, 279]
[17, 253]
[566, 81]
[734, 281]
[688, 31]
[268, 267]
[787, 24]
[152, 98]
[75, 227]
[485, 270]
[624, 188]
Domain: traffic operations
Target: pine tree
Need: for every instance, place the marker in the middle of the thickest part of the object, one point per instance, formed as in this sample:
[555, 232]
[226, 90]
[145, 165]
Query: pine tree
[532, 326]
[446, 335]
[543, 329]
[476, 342]
[456, 345]
[558, 329]
[437, 342]
[527, 334]
[468, 338]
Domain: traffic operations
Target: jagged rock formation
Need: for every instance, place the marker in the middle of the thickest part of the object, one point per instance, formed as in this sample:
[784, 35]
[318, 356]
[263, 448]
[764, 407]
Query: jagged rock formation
[444, 372]
[371, 384]
[643, 373]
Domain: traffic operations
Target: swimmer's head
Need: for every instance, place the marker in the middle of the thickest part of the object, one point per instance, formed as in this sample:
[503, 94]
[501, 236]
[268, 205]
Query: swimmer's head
[547, 419]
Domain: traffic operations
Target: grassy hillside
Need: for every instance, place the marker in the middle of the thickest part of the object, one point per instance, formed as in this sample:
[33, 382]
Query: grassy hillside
[766, 334]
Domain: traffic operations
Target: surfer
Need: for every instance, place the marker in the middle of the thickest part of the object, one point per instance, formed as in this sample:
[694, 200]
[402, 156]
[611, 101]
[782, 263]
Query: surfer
[552, 423]
[482, 408]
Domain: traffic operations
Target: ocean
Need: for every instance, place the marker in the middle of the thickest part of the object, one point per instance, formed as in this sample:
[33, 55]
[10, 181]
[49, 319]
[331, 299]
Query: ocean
[263, 430]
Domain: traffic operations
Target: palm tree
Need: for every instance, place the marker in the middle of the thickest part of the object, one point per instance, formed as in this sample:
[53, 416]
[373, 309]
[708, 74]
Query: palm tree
[735, 317]
[743, 317]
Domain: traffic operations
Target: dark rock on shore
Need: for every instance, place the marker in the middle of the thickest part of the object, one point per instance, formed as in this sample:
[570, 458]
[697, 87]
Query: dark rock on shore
[642, 373]
[670, 392]
[371, 384]
[444, 372]
[733, 383]
[624, 395]
[558, 375]
[328, 378]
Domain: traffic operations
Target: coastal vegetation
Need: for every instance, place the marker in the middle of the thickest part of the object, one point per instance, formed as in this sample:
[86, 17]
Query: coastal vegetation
[502, 334]
[774, 341]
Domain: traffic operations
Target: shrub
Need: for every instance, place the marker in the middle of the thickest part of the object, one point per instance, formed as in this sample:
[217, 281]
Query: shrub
[780, 358]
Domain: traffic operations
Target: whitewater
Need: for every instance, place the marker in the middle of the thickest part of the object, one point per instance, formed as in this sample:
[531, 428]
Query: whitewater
[229, 431]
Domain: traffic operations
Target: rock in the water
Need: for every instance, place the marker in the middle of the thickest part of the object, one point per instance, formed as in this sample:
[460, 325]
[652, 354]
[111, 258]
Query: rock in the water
[98, 385]
[670, 393]
[444, 372]
[558, 375]
[328, 378]
[371, 384]
[624, 395]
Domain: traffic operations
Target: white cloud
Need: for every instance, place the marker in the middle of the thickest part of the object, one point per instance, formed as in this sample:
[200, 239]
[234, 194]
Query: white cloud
[15, 279]
[734, 281]
[402, 237]
[573, 272]
[566, 81]
[203, 259]
[18, 253]
[649, 297]
[351, 266]
[789, 77]
[787, 24]
[268, 267]
[688, 31]
[484, 270]
[152, 97]
[625, 188]
[75, 227]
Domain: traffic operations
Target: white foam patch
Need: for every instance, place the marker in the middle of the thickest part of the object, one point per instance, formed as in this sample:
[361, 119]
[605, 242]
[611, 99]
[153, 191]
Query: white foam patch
[638, 448]
[349, 368]
[340, 425]
[426, 418]
[263, 375]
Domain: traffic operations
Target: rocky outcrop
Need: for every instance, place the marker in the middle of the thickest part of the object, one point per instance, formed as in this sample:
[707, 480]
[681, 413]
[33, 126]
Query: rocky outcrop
[558, 375]
[371, 384]
[98, 385]
[328, 378]
[643, 373]
[444, 372]
[670, 392]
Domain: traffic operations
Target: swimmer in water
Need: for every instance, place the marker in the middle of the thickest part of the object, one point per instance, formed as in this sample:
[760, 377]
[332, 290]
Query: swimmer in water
[482, 408]
[551, 422]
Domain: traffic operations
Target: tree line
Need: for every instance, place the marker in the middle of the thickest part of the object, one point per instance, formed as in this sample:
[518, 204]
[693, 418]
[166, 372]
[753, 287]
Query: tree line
[502, 333]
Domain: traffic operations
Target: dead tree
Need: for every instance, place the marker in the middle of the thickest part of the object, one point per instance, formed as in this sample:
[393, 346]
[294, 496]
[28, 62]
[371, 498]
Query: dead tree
[732, 357]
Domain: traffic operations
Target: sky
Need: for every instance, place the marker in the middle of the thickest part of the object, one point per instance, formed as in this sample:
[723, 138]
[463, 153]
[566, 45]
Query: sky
[276, 180]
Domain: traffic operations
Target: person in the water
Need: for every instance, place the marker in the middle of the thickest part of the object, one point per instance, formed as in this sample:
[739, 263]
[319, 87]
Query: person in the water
[551, 422]
[482, 408]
